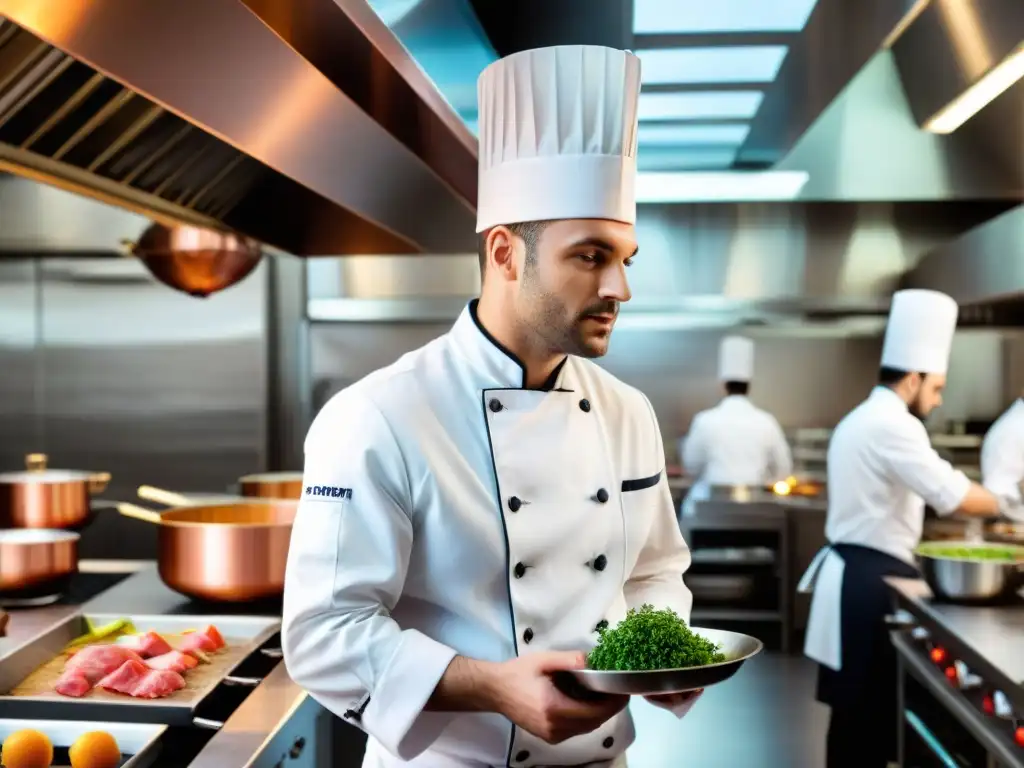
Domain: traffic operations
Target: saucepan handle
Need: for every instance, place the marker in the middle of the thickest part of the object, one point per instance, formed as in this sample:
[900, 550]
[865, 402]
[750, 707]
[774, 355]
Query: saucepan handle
[210, 725]
[272, 653]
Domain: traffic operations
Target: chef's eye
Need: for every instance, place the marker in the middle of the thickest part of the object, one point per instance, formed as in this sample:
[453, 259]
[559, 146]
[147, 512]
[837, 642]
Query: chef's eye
[628, 262]
[590, 258]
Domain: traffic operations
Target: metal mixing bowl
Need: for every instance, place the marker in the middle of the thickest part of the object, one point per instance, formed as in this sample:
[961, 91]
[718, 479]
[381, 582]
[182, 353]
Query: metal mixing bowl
[971, 580]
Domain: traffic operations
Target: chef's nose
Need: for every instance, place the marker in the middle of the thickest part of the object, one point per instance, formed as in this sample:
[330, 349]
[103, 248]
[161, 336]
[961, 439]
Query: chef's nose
[614, 284]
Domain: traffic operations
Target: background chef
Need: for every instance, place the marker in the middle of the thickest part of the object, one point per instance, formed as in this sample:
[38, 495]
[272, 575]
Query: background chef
[505, 496]
[882, 470]
[734, 443]
[1002, 459]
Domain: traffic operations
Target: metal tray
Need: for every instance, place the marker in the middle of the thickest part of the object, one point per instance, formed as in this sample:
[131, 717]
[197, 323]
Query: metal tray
[736, 647]
[244, 634]
[138, 742]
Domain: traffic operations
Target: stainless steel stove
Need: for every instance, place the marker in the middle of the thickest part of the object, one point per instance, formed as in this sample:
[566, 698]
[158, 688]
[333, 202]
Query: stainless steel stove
[961, 682]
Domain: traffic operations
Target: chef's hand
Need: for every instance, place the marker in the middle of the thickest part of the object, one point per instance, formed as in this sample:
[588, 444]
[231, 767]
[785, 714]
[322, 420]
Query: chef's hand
[676, 703]
[528, 696]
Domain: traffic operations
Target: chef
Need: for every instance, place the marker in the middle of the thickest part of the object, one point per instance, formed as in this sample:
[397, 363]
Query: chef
[474, 513]
[1002, 458]
[734, 443]
[882, 470]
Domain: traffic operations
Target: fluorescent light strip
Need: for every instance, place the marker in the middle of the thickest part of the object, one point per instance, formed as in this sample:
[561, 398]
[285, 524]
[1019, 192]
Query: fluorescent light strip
[723, 64]
[709, 187]
[974, 99]
[721, 105]
[662, 134]
[663, 159]
[694, 16]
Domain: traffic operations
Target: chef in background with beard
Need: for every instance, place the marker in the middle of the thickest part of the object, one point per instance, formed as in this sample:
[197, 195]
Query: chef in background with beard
[473, 514]
[882, 470]
[734, 443]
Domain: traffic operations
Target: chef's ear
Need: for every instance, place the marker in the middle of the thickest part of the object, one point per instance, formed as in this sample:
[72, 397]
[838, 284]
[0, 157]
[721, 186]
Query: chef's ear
[500, 248]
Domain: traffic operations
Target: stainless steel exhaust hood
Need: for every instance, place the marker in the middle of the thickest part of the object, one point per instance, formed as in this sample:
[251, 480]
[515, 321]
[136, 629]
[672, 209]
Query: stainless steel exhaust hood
[983, 269]
[304, 125]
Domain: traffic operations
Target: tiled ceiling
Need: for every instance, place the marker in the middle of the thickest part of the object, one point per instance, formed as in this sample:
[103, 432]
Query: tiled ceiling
[706, 67]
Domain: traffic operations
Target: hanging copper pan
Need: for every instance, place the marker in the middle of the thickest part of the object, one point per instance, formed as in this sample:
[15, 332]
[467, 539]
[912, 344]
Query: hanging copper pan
[223, 552]
[195, 260]
[48, 498]
[272, 485]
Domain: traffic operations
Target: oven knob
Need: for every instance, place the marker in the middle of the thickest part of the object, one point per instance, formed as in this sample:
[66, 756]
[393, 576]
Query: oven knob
[919, 633]
[1002, 705]
[965, 678]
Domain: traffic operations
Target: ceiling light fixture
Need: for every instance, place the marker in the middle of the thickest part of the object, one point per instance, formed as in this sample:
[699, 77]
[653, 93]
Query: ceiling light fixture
[722, 64]
[691, 16]
[711, 187]
[700, 105]
[973, 100]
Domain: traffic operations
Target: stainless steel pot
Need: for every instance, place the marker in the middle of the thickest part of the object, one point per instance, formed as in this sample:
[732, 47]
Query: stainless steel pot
[48, 498]
[971, 580]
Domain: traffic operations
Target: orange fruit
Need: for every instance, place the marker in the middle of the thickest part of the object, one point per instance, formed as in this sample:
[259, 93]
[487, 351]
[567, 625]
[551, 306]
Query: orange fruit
[26, 749]
[95, 749]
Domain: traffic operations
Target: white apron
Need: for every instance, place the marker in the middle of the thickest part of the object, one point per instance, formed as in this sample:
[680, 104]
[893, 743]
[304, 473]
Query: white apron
[824, 581]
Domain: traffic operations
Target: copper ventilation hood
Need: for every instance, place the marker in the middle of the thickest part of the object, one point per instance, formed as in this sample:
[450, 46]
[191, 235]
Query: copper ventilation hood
[304, 125]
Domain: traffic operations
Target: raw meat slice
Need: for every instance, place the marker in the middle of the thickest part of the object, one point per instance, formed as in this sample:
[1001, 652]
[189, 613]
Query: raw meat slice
[214, 634]
[176, 661]
[197, 641]
[146, 645]
[72, 683]
[96, 661]
[134, 678]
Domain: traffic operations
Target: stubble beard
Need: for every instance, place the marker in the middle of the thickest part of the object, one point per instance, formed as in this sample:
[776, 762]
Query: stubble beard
[549, 323]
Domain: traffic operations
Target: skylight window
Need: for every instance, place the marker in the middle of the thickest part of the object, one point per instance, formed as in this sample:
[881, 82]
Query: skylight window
[685, 158]
[725, 64]
[695, 17]
[703, 105]
[668, 134]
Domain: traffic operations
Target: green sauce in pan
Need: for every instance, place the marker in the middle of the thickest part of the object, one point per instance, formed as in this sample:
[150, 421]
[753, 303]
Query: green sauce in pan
[1004, 554]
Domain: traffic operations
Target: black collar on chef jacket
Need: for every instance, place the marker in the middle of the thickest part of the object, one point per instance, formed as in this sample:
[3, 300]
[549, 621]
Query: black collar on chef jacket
[549, 384]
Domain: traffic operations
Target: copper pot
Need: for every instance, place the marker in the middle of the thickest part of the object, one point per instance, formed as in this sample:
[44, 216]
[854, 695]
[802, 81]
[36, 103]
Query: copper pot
[36, 565]
[223, 552]
[195, 260]
[48, 498]
[272, 485]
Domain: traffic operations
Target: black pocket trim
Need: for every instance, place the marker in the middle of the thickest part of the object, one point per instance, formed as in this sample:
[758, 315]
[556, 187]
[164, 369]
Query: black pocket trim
[641, 483]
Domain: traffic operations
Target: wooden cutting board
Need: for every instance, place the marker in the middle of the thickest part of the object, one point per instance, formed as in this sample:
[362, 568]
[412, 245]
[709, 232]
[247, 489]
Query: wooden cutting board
[40, 683]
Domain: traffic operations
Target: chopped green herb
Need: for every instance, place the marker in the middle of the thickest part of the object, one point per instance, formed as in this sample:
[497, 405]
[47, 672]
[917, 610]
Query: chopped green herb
[648, 639]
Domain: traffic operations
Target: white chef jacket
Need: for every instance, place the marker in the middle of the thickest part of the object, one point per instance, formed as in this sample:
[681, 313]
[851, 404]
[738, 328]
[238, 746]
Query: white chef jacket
[734, 443]
[882, 469]
[446, 510]
[1002, 455]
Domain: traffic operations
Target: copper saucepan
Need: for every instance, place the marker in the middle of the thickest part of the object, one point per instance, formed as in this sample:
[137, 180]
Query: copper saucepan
[48, 498]
[272, 485]
[223, 552]
[36, 565]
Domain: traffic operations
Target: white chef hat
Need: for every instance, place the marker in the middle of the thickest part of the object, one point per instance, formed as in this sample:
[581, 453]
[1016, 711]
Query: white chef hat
[736, 359]
[919, 335]
[557, 131]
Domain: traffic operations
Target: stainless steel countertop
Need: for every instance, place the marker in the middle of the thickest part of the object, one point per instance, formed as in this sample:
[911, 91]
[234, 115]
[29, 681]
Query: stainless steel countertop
[249, 729]
[995, 634]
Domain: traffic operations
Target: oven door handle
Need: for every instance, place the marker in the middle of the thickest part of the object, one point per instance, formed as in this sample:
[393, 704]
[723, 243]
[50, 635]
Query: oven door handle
[929, 739]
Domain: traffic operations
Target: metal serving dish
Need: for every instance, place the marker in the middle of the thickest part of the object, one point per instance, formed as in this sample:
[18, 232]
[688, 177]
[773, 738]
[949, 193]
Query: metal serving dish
[966, 580]
[736, 647]
[243, 634]
[138, 742]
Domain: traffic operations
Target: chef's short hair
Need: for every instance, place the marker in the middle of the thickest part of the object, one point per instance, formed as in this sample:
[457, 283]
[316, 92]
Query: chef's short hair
[890, 377]
[529, 231]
